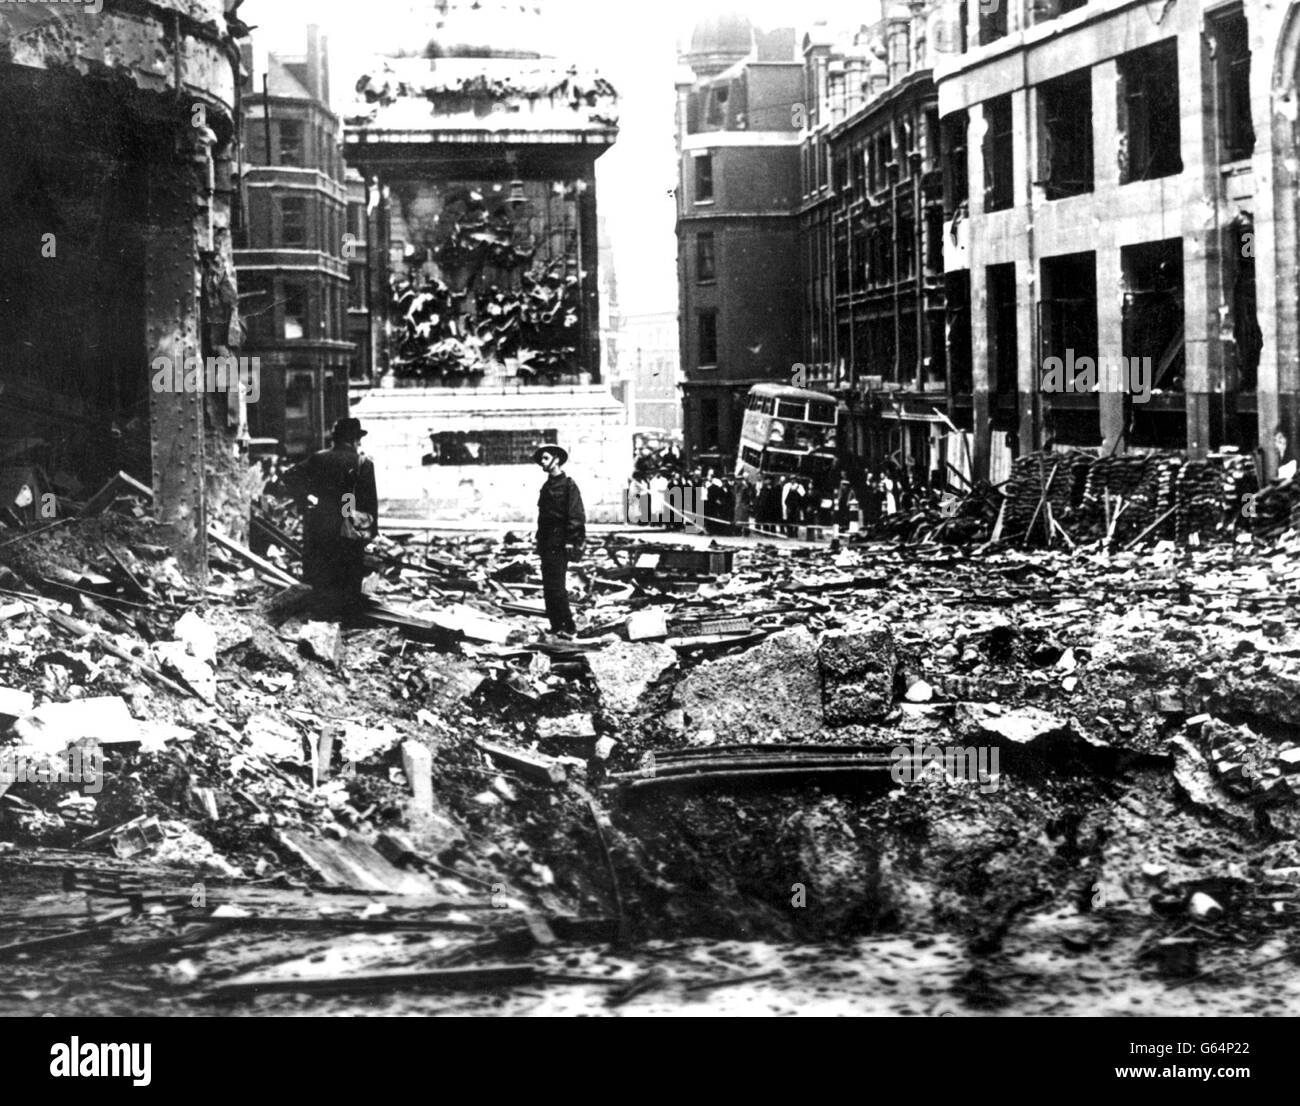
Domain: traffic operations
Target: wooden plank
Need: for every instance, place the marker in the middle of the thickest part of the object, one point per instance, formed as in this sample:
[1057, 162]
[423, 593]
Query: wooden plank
[475, 978]
[122, 482]
[247, 555]
[352, 863]
[532, 766]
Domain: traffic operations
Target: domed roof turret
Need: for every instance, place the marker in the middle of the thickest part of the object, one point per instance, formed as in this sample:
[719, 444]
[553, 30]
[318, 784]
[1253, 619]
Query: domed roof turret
[719, 42]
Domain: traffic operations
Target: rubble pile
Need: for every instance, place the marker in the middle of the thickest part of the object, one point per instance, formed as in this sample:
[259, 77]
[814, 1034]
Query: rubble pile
[1076, 499]
[809, 744]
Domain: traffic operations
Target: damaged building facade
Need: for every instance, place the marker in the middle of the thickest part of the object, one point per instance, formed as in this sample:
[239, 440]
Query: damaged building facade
[871, 240]
[811, 231]
[481, 150]
[118, 142]
[1132, 193]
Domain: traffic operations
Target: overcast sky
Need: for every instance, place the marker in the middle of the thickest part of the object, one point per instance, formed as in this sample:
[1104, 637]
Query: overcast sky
[633, 45]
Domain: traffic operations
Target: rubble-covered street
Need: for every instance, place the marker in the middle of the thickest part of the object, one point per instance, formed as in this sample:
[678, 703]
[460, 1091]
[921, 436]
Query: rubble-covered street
[766, 778]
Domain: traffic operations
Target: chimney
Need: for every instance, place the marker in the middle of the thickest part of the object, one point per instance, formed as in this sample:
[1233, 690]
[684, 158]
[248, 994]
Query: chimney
[899, 47]
[318, 67]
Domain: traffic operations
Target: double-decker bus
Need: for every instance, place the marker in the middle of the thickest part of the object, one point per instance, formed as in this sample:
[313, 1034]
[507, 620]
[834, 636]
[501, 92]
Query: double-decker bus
[786, 432]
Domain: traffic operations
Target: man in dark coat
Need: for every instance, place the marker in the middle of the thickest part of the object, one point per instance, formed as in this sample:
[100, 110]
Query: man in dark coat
[336, 487]
[561, 534]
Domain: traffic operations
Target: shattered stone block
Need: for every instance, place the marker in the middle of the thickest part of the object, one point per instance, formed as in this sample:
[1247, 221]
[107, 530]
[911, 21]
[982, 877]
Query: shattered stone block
[450, 680]
[569, 725]
[320, 640]
[624, 670]
[857, 670]
[774, 686]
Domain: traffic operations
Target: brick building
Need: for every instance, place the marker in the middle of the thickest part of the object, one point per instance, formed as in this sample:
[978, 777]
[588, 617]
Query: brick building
[294, 275]
[737, 225]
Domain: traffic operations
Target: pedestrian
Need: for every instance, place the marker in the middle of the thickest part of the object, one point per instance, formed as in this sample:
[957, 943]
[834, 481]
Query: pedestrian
[658, 492]
[561, 535]
[767, 507]
[336, 489]
[843, 510]
[713, 508]
[791, 504]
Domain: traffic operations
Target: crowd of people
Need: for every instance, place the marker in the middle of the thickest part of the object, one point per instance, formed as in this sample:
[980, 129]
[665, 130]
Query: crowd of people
[676, 497]
[699, 498]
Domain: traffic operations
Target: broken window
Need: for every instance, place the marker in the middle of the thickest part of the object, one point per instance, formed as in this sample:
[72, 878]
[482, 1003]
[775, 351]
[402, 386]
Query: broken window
[932, 144]
[1247, 340]
[705, 269]
[292, 148]
[293, 222]
[906, 147]
[841, 252]
[1153, 309]
[1001, 298]
[256, 308]
[957, 312]
[295, 312]
[1067, 323]
[880, 270]
[882, 159]
[1065, 135]
[956, 183]
[1231, 58]
[708, 338]
[998, 157]
[906, 245]
[1149, 136]
[934, 239]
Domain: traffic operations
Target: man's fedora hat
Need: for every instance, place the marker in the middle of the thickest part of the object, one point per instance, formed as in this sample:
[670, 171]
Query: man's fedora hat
[559, 451]
[349, 429]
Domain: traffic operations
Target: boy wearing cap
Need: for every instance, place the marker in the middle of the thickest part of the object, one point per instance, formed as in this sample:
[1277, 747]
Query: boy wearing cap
[344, 514]
[561, 534]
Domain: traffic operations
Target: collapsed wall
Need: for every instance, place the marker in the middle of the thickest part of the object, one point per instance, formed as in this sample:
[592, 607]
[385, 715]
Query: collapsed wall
[117, 147]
